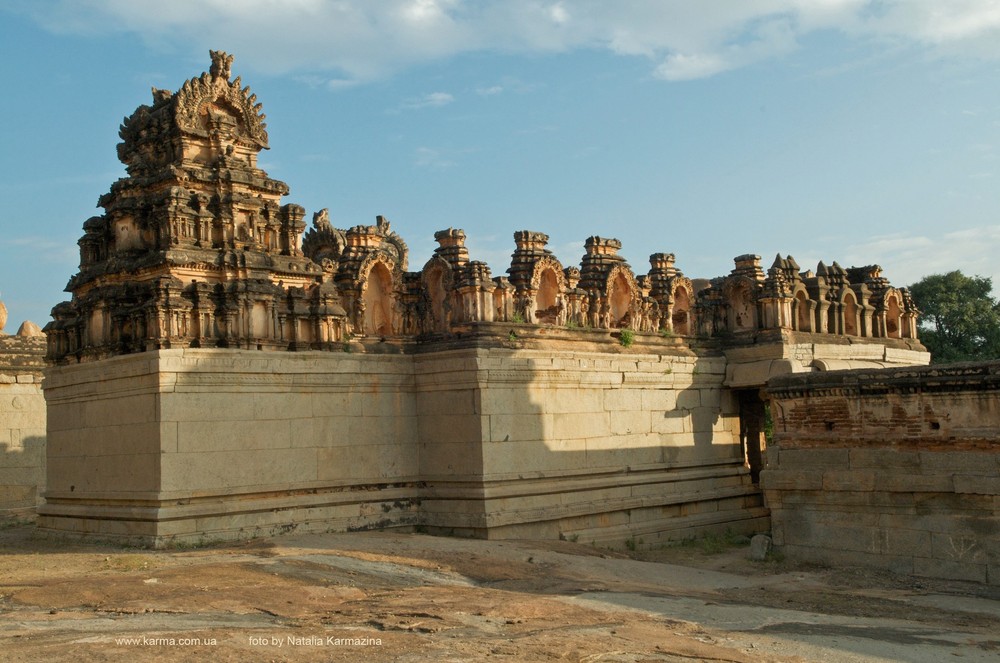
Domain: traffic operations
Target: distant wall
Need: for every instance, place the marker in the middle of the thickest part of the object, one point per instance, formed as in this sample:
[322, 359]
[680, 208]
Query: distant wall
[22, 422]
[483, 441]
[897, 469]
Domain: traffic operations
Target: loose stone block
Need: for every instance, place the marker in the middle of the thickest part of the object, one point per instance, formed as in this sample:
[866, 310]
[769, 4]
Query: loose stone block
[760, 547]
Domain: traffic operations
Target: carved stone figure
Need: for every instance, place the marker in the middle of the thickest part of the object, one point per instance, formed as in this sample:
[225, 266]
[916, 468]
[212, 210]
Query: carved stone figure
[222, 62]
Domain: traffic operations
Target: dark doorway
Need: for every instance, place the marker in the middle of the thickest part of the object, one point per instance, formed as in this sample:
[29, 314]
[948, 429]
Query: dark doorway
[753, 417]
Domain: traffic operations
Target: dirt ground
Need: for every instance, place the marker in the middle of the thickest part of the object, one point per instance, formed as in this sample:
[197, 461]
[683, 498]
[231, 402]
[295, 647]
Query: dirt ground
[380, 596]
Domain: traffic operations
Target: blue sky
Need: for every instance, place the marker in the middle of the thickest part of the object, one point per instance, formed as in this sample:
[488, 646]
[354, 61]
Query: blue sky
[862, 132]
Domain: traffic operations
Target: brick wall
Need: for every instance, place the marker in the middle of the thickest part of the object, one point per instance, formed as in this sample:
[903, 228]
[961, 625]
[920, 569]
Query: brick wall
[895, 468]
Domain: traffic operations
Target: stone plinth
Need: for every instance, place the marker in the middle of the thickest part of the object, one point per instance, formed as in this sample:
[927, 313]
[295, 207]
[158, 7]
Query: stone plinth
[469, 438]
[204, 444]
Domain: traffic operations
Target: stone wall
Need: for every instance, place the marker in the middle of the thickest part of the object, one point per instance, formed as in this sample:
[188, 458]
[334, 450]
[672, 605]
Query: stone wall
[192, 444]
[22, 421]
[897, 469]
[488, 438]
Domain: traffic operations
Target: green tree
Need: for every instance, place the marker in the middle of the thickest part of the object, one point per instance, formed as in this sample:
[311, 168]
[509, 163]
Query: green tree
[959, 319]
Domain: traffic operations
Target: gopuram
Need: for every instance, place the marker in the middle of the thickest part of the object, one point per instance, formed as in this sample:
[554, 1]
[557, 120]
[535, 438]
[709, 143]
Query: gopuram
[223, 371]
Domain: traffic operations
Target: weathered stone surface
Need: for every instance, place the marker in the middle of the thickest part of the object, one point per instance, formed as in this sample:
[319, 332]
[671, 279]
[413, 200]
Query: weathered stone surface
[584, 400]
[760, 547]
[237, 433]
[22, 422]
[30, 329]
[908, 459]
[195, 249]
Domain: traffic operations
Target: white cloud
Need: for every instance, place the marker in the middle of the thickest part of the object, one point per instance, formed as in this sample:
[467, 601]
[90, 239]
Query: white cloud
[335, 84]
[50, 250]
[681, 67]
[558, 13]
[974, 24]
[427, 157]
[907, 259]
[360, 40]
[439, 158]
[432, 100]
[437, 99]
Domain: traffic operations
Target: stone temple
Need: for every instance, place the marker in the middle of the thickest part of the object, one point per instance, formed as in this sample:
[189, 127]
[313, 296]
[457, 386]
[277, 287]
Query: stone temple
[225, 370]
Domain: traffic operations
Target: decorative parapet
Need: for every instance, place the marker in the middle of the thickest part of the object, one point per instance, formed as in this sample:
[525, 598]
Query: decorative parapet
[937, 379]
[196, 249]
[22, 355]
[22, 358]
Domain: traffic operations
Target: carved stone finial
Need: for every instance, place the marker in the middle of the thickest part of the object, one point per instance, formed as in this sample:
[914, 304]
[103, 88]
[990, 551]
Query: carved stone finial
[321, 219]
[161, 95]
[29, 329]
[222, 63]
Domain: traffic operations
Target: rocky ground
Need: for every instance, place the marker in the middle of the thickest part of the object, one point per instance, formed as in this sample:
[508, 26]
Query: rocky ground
[379, 596]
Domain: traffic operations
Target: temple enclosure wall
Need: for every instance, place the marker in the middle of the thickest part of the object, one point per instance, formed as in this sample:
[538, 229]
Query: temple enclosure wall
[224, 369]
[22, 421]
[897, 469]
[190, 444]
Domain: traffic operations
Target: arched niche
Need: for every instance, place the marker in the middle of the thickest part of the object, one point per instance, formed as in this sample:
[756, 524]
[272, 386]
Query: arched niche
[741, 308]
[681, 316]
[259, 321]
[549, 282]
[499, 305]
[619, 300]
[548, 289]
[803, 312]
[893, 316]
[128, 237]
[851, 317]
[304, 331]
[96, 332]
[436, 280]
[378, 301]
[832, 315]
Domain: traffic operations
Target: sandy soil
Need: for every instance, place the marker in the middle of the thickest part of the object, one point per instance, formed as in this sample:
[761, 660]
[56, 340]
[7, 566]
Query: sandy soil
[378, 596]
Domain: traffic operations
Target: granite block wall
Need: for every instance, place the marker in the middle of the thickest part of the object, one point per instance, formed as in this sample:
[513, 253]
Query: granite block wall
[896, 469]
[193, 444]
